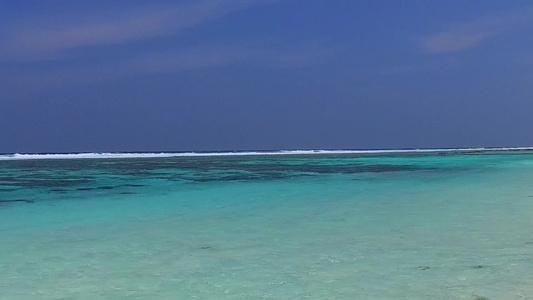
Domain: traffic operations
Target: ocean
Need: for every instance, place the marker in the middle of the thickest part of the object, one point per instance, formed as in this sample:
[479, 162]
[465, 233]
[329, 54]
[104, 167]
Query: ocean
[441, 224]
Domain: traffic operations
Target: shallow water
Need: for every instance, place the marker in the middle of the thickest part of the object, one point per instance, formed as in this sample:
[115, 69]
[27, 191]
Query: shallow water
[320, 226]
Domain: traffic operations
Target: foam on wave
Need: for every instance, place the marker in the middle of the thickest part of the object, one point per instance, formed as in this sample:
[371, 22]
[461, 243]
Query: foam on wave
[19, 156]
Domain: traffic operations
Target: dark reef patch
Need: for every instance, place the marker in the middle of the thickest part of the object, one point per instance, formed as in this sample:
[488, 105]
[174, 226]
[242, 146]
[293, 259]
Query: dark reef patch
[28, 181]
[328, 169]
[2, 201]
[106, 187]
[479, 267]
[477, 297]
[85, 173]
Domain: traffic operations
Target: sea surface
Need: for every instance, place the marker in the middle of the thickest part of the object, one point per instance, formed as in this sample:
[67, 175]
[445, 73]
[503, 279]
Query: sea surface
[302, 225]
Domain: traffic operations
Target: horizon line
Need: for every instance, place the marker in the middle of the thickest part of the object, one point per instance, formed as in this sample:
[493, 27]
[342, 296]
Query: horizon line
[162, 154]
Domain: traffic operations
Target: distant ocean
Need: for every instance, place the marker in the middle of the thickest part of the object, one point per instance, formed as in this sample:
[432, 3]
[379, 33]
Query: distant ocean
[398, 224]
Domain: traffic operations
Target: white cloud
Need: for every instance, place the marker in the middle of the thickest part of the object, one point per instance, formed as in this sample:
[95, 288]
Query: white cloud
[467, 35]
[259, 54]
[31, 42]
[27, 52]
[421, 67]
[457, 41]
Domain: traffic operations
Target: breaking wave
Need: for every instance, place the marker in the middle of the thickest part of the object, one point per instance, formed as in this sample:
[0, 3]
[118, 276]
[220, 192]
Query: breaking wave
[22, 156]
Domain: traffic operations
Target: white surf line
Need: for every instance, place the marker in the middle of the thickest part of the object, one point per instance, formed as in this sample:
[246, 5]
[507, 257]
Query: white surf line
[27, 156]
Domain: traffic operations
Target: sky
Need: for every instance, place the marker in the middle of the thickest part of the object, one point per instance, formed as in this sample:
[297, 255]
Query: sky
[224, 75]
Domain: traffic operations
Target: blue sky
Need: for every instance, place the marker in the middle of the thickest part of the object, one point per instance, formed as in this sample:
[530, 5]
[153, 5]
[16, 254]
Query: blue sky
[264, 74]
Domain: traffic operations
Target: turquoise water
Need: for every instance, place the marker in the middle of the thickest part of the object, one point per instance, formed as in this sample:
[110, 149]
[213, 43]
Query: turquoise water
[318, 226]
